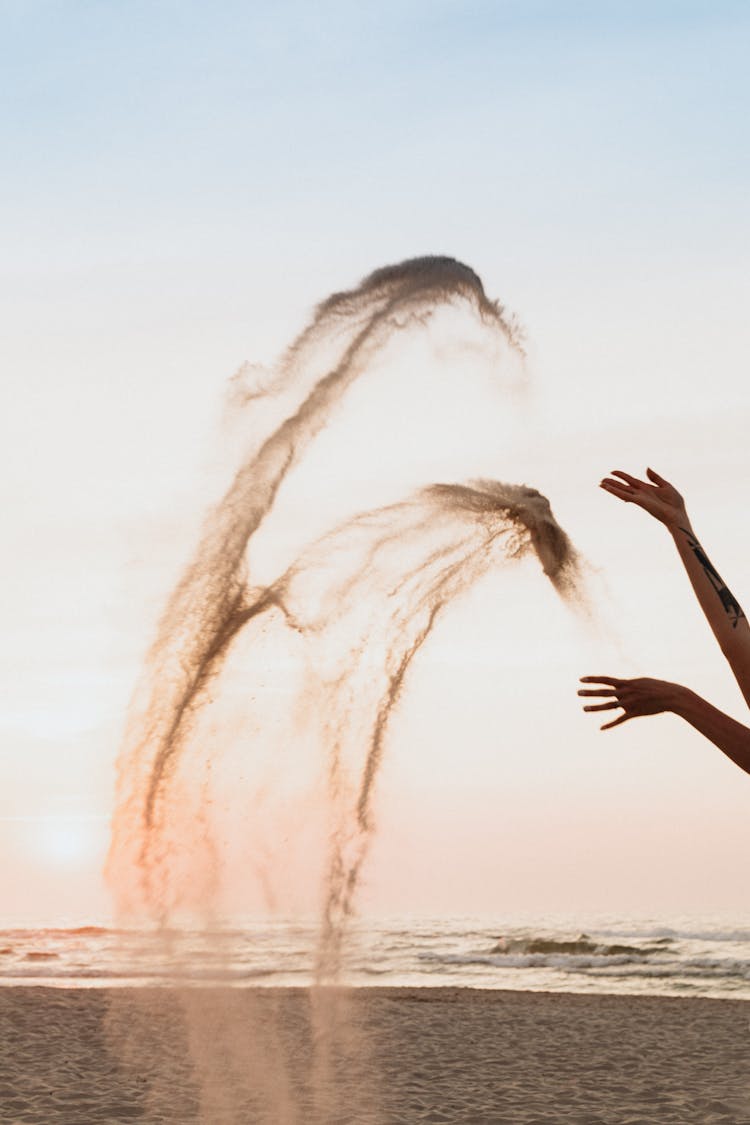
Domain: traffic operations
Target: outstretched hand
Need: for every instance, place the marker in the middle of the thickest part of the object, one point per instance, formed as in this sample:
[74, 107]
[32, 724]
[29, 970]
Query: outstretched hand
[660, 499]
[641, 696]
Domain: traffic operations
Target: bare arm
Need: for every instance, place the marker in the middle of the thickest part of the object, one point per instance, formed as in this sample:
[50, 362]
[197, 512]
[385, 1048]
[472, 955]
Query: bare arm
[651, 697]
[722, 610]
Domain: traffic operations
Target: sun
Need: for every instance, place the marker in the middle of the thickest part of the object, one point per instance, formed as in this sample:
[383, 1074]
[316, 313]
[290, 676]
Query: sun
[68, 842]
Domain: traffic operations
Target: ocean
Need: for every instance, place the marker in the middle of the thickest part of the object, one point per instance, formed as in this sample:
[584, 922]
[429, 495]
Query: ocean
[680, 957]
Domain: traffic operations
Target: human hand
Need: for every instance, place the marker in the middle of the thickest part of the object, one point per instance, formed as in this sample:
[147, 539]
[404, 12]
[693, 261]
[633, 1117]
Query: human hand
[660, 499]
[641, 696]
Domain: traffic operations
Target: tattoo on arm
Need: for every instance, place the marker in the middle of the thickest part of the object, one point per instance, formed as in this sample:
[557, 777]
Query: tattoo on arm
[732, 607]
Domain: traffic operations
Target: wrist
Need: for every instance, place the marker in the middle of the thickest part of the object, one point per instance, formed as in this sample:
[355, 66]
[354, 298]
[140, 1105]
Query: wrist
[678, 524]
[678, 698]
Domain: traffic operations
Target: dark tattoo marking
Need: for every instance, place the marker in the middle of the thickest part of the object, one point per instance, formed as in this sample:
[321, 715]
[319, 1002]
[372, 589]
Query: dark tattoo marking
[731, 606]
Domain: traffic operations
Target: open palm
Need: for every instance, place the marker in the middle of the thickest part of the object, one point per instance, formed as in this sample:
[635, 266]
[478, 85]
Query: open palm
[659, 498]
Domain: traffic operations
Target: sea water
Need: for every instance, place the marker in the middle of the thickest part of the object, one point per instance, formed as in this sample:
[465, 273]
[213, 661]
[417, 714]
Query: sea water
[659, 956]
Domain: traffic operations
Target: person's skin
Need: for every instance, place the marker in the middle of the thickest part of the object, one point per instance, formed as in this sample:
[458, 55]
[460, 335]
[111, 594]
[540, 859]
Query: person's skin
[643, 696]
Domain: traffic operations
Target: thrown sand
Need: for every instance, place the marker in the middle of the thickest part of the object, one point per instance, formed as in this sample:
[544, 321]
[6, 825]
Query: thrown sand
[433, 1055]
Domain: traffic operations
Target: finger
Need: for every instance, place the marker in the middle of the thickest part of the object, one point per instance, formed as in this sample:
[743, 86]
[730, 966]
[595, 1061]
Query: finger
[611, 680]
[623, 491]
[610, 482]
[654, 476]
[632, 481]
[603, 706]
[598, 691]
[616, 722]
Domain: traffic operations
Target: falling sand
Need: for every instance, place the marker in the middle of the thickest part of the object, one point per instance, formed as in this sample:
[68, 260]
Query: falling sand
[343, 620]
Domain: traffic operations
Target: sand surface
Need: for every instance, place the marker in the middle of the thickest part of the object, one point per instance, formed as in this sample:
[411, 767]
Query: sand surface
[79, 1057]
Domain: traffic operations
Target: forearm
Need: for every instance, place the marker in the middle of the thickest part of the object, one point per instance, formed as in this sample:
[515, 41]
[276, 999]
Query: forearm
[722, 610]
[731, 737]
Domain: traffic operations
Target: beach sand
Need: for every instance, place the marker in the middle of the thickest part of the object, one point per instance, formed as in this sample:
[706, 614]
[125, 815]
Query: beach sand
[84, 1056]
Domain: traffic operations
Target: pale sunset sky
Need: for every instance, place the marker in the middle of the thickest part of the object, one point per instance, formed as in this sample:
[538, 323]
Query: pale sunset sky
[182, 182]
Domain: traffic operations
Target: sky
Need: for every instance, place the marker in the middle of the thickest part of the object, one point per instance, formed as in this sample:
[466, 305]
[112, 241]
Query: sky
[181, 184]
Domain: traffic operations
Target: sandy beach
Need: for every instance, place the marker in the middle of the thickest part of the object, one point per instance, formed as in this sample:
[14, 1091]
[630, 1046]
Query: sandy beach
[75, 1057]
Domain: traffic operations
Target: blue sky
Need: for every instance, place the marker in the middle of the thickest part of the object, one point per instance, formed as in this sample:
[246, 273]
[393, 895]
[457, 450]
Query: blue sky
[126, 122]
